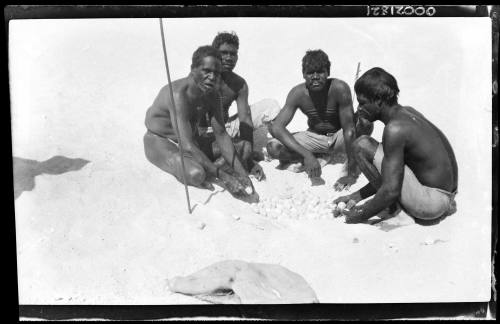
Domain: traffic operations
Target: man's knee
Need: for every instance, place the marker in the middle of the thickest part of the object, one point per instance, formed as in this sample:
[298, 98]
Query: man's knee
[148, 148]
[195, 174]
[365, 146]
[364, 128]
[274, 148]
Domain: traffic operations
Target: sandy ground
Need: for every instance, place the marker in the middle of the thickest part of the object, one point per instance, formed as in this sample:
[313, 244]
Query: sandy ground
[113, 233]
[110, 228]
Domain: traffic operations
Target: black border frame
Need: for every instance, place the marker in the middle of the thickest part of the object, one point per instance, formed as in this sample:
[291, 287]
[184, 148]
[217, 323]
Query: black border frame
[291, 312]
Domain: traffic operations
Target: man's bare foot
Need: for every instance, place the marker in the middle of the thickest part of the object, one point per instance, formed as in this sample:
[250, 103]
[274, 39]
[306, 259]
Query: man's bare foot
[388, 213]
[207, 185]
[317, 181]
[296, 167]
[257, 156]
[324, 159]
[266, 155]
[283, 165]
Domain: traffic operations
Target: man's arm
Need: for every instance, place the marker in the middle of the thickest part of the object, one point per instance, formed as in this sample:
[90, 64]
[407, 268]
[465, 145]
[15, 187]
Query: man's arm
[394, 139]
[246, 125]
[278, 126]
[244, 114]
[346, 116]
[279, 131]
[224, 140]
[186, 133]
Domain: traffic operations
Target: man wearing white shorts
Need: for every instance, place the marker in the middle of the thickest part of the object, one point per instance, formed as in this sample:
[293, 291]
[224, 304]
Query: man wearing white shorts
[327, 103]
[414, 166]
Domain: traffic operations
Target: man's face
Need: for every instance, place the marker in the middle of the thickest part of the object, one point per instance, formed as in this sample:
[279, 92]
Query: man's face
[207, 74]
[367, 109]
[315, 78]
[229, 56]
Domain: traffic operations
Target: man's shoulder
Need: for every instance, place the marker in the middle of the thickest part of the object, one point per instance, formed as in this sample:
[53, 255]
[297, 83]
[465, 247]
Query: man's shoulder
[178, 87]
[338, 85]
[233, 80]
[397, 127]
[296, 94]
[299, 89]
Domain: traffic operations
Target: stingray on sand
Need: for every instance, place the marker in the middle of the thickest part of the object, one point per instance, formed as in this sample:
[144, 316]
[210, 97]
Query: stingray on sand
[240, 282]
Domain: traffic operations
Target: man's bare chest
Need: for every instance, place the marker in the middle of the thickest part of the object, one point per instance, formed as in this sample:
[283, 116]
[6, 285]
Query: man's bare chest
[228, 95]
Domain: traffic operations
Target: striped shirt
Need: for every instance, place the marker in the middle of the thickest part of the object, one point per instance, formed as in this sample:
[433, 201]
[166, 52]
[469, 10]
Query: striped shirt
[322, 118]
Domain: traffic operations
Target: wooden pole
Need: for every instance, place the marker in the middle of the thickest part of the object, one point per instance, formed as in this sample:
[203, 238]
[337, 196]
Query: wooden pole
[174, 116]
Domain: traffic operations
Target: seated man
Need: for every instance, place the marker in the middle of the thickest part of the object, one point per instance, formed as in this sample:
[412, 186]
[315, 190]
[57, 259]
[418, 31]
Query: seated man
[327, 103]
[245, 126]
[195, 95]
[414, 164]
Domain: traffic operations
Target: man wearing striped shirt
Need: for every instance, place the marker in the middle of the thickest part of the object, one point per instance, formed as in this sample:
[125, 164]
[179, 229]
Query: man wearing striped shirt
[327, 103]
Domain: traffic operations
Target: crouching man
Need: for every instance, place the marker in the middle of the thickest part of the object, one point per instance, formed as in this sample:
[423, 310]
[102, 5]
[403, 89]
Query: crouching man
[327, 103]
[414, 165]
[248, 128]
[195, 95]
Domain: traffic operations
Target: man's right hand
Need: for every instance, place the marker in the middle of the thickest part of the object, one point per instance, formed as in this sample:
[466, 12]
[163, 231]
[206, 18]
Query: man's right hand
[350, 200]
[312, 166]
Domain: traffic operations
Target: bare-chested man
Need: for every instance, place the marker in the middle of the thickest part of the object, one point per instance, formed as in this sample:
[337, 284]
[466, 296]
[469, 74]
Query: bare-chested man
[414, 164]
[195, 95]
[250, 121]
[327, 103]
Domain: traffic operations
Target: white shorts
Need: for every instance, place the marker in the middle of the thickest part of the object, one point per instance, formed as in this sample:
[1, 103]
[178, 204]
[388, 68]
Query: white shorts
[418, 200]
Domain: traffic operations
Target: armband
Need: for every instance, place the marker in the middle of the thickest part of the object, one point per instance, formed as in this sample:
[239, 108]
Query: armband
[246, 132]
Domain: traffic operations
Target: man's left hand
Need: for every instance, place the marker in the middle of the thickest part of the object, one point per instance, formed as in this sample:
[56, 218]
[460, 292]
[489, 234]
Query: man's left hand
[257, 172]
[344, 182]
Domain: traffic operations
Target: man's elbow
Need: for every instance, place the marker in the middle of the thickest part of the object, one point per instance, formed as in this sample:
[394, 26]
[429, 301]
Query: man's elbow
[275, 129]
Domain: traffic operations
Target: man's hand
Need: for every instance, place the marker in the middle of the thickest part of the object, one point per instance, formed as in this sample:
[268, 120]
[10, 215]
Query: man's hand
[344, 182]
[349, 200]
[354, 215]
[312, 166]
[233, 184]
[247, 184]
[257, 171]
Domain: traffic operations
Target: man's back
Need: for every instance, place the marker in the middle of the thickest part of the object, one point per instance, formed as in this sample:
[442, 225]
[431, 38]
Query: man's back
[427, 151]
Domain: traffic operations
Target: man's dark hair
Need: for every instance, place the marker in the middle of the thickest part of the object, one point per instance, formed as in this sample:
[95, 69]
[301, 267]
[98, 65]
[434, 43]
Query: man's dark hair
[315, 60]
[202, 52]
[226, 37]
[377, 84]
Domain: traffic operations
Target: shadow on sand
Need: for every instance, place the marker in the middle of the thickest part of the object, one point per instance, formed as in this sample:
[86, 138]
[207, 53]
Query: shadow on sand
[26, 170]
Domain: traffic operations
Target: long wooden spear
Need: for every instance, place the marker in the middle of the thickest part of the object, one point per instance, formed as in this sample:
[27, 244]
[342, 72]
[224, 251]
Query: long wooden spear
[174, 115]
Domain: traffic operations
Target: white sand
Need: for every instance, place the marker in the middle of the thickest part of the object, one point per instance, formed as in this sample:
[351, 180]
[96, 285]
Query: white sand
[114, 231]
[111, 238]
